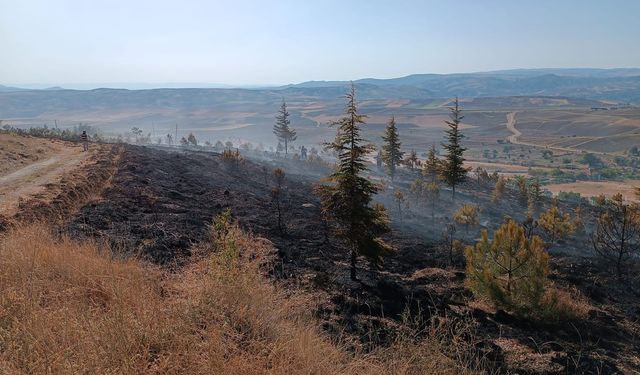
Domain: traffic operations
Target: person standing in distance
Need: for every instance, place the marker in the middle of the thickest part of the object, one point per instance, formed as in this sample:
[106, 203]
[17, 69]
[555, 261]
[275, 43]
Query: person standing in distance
[85, 140]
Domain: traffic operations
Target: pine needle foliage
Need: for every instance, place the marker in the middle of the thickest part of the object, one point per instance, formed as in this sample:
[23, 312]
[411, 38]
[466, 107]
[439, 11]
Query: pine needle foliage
[556, 224]
[499, 189]
[467, 215]
[523, 190]
[391, 154]
[346, 201]
[511, 270]
[411, 161]
[432, 166]
[282, 129]
[535, 197]
[453, 171]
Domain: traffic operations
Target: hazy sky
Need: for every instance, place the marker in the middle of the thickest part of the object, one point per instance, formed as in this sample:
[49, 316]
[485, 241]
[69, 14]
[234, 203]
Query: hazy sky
[274, 42]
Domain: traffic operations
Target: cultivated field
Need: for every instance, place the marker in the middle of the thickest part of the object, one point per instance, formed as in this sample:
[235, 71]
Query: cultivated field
[594, 188]
[582, 129]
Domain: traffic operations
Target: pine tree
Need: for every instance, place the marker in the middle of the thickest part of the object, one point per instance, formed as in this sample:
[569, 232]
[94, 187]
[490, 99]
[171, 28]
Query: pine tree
[467, 215]
[431, 166]
[137, 132]
[453, 170]
[412, 160]
[511, 269]
[431, 171]
[523, 190]
[556, 224]
[617, 235]
[192, 139]
[535, 197]
[347, 200]
[282, 128]
[399, 198]
[498, 191]
[432, 190]
[391, 154]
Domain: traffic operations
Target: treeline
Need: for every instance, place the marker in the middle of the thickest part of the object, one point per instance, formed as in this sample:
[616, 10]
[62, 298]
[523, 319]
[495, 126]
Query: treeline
[66, 134]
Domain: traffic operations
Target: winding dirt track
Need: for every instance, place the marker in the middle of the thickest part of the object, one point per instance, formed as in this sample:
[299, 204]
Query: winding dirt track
[516, 134]
[33, 179]
[511, 125]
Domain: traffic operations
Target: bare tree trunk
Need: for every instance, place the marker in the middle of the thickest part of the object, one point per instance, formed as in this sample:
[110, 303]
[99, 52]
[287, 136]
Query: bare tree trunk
[279, 214]
[433, 213]
[353, 265]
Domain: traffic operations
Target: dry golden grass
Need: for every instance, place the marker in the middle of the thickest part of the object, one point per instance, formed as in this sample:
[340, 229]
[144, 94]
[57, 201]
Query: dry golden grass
[561, 304]
[74, 308]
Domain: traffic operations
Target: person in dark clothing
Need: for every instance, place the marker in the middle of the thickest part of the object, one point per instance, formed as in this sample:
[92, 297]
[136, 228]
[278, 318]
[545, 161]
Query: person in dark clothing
[85, 141]
[303, 153]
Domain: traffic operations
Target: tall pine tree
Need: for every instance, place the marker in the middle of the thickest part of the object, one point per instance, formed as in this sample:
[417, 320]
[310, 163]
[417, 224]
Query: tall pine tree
[282, 129]
[347, 200]
[391, 154]
[453, 171]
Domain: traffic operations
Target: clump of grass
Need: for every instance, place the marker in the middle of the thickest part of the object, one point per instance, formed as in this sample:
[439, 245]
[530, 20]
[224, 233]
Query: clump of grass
[562, 304]
[68, 307]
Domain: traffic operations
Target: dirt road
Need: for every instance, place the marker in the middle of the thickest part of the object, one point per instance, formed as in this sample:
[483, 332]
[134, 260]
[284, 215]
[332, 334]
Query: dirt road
[515, 135]
[511, 125]
[33, 179]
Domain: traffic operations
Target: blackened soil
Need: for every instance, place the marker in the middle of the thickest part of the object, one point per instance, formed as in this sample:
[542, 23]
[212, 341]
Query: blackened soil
[161, 202]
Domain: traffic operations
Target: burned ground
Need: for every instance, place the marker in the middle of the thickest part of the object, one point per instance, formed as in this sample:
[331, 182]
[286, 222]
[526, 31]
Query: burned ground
[160, 203]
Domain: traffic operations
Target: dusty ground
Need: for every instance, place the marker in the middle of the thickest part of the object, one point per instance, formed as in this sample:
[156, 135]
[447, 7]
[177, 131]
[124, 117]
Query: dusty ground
[53, 180]
[17, 152]
[32, 179]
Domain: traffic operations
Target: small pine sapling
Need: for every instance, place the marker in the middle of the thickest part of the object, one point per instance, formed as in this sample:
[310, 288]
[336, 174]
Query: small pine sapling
[398, 197]
[467, 215]
[510, 269]
[556, 224]
[499, 189]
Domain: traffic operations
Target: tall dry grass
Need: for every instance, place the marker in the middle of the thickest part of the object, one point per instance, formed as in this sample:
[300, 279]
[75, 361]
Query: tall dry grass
[67, 307]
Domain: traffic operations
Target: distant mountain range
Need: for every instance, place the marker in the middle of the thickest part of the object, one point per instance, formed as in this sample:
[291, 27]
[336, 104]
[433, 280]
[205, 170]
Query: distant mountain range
[620, 85]
[586, 86]
[600, 84]
[9, 88]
